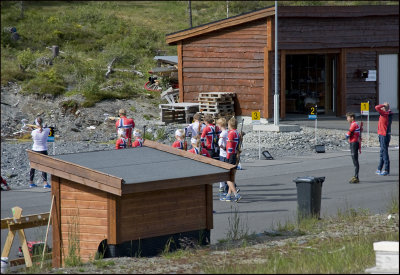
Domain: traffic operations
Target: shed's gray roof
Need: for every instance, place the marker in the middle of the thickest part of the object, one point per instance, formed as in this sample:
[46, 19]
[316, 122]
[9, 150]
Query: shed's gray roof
[142, 164]
[167, 58]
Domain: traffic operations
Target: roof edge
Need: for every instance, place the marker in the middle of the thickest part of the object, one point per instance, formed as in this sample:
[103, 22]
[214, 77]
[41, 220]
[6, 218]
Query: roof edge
[172, 38]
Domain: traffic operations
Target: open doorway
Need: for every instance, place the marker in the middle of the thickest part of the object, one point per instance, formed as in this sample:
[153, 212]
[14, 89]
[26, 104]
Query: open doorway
[311, 79]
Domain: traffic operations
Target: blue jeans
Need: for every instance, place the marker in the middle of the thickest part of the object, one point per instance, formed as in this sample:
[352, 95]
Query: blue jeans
[384, 153]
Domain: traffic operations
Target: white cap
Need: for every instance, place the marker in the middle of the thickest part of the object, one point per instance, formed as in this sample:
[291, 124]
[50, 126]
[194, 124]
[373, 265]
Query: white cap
[136, 133]
[178, 133]
[193, 140]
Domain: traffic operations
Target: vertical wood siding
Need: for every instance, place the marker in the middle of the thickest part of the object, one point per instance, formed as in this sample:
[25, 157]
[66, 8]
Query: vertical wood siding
[230, 60]
[151, 214]
[325, 33]
[85, 207]
[357, 89]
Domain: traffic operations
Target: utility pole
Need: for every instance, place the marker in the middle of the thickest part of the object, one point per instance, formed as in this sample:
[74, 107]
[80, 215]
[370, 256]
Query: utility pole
[190, 13]
[276, 95]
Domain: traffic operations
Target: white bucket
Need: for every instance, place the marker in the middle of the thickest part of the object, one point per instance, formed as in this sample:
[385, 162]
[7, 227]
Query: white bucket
[4, 264]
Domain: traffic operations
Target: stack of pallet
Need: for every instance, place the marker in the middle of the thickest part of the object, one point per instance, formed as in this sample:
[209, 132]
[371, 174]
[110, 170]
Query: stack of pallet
[218, 104]
[178, 112]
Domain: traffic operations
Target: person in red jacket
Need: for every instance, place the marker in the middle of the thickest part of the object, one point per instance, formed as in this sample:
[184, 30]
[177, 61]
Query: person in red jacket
[209, 136]
[138, 138]
[353, 135]
[180, 140]
[196, 150]
[384, 133]
[125, 123]
[231, 158]
[122, 141]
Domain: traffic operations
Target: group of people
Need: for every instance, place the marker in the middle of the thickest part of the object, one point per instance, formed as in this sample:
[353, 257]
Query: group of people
[384, 134]
[219, 141]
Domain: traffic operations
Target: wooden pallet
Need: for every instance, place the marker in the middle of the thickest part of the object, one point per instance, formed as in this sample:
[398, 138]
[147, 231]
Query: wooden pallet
[217, 109]
[178, 112]
[217, 95]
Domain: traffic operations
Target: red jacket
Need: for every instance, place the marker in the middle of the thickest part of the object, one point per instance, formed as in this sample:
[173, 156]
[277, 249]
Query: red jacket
[354, 132]
[210, 133]
[178, 144]
[232, 143]
[203, 152]
[126, 123]
[121, 143]
[138, 142]
[385, 120]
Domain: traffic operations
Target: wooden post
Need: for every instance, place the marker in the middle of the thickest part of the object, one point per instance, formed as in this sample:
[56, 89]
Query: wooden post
[47, 232]
[55, 50]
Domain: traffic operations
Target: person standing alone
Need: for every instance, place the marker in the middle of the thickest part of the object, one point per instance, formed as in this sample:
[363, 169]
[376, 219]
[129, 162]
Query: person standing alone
[354, 138]
[384, 133]
[39, 137]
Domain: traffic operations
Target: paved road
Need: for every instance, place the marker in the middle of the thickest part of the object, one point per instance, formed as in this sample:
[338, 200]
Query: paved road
[269, 193]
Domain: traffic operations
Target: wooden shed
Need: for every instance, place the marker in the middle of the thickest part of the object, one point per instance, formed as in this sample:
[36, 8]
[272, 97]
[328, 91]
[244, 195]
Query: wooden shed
[129, 202]
[332, 56]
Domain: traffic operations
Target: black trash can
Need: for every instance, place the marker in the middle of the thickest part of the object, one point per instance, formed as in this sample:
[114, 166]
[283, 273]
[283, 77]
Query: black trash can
[309, 196]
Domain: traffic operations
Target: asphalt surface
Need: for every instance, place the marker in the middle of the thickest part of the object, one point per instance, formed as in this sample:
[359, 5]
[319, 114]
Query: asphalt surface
[269, 195]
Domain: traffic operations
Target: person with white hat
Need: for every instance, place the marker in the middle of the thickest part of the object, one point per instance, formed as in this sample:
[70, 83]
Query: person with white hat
[196, 150]
[137, 134]
[122, 141]
[180, 142]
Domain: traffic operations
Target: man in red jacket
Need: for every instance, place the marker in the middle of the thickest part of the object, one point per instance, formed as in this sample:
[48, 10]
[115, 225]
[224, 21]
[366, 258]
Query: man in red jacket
[354, 138]
[384, 133]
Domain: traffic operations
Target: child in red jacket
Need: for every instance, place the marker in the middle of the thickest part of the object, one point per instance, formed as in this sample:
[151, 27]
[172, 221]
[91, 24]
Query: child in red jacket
[137, 134]
[196, 150]
[122, 141]
[353, 135]
[180, 142]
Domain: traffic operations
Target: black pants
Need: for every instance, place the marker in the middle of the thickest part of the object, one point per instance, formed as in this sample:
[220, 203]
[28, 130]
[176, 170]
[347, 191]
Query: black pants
[32, 172]
[354, 155]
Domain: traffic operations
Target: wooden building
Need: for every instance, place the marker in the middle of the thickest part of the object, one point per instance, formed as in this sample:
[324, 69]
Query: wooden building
[129, 202]
[332, 56]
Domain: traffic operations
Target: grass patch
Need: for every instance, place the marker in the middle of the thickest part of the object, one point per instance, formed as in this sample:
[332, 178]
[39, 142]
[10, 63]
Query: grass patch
[347, 255]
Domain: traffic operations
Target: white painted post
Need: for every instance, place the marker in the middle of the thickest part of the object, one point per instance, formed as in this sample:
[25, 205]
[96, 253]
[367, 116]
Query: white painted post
[276, 95]
[259, 144]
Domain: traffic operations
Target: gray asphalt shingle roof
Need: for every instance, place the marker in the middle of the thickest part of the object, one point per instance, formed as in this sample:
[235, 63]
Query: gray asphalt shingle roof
[142, 164]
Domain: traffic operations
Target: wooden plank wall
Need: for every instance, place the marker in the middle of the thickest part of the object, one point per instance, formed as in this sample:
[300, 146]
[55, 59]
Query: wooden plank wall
[86, 207]
[357, 89]
[325, 33]
[157, 213]
[230, 60]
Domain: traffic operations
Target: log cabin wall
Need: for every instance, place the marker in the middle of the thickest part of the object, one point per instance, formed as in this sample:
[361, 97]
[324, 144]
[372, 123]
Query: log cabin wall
[337, 29]
[151, 214]
[229, 60]
[357, 89]
[83, 218]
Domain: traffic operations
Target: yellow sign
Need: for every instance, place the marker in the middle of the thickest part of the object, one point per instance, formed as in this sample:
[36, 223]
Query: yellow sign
[364, 106]
[255, 117]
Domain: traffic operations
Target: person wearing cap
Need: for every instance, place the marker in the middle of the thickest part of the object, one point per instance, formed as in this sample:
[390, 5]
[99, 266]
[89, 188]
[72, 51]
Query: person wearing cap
[125, 123]
[122, 141]
[138, 138]
[195, 148]
[384, 133]
[39, 137]
[180, 140]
